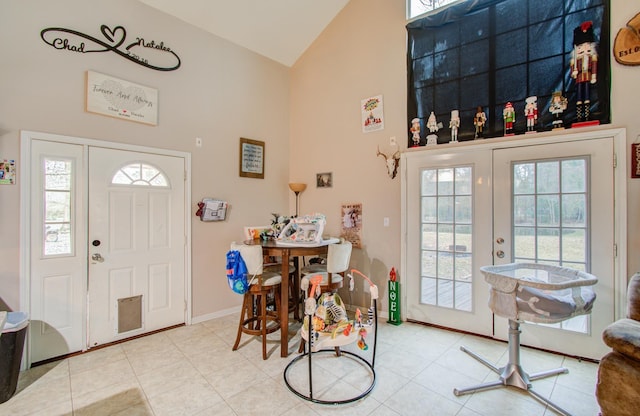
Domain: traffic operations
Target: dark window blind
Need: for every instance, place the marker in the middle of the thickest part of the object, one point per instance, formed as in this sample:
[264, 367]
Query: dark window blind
[488, 52]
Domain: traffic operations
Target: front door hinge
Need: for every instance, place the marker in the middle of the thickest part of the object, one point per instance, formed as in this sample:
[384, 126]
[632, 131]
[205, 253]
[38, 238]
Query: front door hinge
[615, 250]
[615, 160]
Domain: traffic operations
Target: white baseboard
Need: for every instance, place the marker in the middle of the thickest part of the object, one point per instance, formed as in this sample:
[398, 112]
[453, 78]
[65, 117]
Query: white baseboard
[219, 314]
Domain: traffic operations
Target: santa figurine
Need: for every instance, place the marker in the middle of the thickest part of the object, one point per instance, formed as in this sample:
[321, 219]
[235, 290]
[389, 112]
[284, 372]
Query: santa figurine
[415, 131]
[531, 113]
[509, 116]
[433, 126]
[584, 68]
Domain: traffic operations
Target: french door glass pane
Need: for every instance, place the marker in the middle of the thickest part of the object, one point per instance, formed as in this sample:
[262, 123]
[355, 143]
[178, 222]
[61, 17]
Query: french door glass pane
[550, 217]
[57, 197]
[447, 223]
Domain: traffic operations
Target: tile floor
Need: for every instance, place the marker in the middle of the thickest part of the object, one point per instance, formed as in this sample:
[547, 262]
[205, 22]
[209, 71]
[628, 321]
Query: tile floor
[192, 371]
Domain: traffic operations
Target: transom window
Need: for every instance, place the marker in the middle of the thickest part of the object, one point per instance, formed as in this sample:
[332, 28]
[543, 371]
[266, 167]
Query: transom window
[417, 7]
[140, 174]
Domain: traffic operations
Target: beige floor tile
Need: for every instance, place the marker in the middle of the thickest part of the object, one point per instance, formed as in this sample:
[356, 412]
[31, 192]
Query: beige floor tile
[96, 358]
[192, 371]
[267, 398]
[168, 378]
[234, 378]
[109, 400]
[189, 399]
[101, 377]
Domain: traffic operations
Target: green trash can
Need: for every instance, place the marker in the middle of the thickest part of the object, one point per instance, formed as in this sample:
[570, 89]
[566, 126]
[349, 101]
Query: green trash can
[11, 346]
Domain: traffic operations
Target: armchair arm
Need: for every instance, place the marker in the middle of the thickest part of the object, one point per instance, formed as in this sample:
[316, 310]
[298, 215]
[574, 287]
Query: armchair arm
[623, 336]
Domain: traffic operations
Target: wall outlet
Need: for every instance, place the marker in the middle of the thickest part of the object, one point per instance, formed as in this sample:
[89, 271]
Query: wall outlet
[385, 221]
[392, 140]
[198, 142]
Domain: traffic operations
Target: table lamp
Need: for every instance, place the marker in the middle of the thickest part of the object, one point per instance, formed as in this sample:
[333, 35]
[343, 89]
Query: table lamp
[297, 188]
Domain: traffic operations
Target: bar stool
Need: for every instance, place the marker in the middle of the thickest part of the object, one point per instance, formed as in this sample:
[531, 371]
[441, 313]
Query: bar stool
[254, 316]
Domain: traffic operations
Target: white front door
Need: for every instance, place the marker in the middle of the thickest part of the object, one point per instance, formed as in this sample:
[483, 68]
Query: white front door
[58, 249]
[136, 243]
[558, 208]
[80, 198]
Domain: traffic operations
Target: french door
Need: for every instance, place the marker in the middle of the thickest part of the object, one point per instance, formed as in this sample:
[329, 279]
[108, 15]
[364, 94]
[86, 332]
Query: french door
[492, 203]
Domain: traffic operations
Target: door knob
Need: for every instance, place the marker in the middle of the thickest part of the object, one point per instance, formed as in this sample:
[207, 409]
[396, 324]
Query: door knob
[95, 243]
[500, 254]
[500, 240]
[97, 257]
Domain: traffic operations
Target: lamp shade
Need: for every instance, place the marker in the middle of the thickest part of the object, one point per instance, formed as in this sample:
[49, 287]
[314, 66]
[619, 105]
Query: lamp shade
[297, 187]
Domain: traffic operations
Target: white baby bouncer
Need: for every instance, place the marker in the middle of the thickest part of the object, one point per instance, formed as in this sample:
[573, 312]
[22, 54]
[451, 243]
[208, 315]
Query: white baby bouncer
[326, 330]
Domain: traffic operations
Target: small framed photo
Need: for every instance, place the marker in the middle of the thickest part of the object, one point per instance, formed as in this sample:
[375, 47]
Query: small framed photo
[251, 158]
[324, 180]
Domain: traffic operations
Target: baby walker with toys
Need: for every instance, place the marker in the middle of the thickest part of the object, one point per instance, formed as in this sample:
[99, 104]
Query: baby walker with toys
[327, 332]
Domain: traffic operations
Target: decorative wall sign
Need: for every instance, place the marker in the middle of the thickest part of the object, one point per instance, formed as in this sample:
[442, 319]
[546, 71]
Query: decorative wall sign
[635, 160]
[251, 158]
[351, 229]
[149, 53]
[372, 114]
[626, 47]
[111, 96]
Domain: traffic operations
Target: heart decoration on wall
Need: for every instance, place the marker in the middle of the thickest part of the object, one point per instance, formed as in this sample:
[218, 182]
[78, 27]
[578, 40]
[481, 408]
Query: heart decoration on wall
[626, 47]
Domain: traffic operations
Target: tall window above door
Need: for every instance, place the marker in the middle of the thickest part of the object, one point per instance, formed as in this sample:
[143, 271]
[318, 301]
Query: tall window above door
[416, 8]
[485, 53]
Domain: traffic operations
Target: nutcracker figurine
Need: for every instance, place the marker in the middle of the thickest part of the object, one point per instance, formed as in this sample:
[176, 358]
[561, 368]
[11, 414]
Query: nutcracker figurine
[479, 121]
[557, 107]
[454, 125]
[531, 113]
[584, 67]
[415, 131]
[509, 116]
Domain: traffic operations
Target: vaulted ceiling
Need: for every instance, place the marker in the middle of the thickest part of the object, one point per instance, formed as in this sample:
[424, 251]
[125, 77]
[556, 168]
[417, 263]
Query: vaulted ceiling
[278, 29]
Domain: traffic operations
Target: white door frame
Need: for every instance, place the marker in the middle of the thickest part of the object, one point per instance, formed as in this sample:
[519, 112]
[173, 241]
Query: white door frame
[25, 213]
[572, 135]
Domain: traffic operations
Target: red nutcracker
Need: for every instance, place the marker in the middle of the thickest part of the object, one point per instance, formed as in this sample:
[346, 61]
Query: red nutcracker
[531, 113]
[584, 67]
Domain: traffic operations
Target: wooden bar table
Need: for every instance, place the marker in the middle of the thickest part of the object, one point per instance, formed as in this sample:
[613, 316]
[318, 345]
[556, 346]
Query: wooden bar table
[287, 251]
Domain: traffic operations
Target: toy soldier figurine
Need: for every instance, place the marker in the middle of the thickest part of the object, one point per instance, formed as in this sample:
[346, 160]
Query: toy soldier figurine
[454, 124]
[584, 67]
[531, 113]
[557, 107]
[509, 116]
[479, 120]
[415, 130]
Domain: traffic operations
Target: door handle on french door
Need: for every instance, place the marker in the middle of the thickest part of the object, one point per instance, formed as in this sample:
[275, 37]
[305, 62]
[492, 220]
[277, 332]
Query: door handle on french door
[500, 254]
[97, 257]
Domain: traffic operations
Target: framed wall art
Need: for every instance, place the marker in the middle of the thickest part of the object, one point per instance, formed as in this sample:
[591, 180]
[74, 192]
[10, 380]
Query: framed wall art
[114, 97]
[324, 180]
[251, 158]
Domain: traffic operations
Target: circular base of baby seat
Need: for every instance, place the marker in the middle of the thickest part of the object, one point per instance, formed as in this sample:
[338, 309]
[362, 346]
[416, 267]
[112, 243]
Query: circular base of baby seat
[299, 380]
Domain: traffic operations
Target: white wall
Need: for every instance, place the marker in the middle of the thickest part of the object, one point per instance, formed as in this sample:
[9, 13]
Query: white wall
[220, 93]
[363, 53]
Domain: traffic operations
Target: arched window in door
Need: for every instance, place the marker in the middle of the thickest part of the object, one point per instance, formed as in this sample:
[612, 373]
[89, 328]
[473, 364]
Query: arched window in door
[140, 174]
